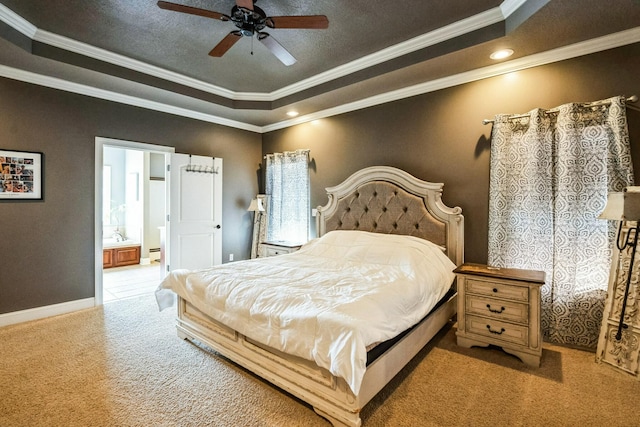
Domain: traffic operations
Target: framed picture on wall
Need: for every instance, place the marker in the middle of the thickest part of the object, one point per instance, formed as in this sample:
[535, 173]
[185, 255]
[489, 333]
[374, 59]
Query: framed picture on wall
[20, 175]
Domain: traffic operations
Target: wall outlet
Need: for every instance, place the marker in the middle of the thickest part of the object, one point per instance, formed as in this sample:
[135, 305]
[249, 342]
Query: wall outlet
[230, 257]
[314, 212]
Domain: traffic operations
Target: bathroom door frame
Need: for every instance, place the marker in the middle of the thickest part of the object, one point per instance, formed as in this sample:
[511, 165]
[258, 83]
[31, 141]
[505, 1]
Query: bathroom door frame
[101, 142]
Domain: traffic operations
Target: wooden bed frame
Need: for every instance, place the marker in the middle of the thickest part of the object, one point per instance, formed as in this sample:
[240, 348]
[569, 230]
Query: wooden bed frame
[380, 199]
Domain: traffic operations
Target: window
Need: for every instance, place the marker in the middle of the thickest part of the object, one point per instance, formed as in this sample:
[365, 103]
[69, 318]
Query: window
[287, 189]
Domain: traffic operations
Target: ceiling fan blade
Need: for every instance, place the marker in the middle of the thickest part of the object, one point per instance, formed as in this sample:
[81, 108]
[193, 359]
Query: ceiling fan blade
[226, 44]
[247, 4]
[192, 10]
[276, 48]
[309, 21]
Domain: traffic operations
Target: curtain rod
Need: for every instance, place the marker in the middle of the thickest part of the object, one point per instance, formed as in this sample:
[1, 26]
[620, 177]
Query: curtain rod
[633, 98]
[288, 153]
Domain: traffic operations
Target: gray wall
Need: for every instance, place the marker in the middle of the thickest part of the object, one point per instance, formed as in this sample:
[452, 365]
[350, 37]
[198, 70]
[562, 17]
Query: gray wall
[440, 137]
[46, 255]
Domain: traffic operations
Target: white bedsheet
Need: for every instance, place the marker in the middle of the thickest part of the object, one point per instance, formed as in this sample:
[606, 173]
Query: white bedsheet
[326, 302]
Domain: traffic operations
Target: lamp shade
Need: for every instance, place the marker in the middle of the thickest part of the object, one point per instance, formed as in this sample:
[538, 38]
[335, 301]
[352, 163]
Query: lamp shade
[256, 205]
[623, 206]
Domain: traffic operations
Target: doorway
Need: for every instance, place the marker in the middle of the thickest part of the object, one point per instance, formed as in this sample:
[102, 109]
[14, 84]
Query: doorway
[131, 201]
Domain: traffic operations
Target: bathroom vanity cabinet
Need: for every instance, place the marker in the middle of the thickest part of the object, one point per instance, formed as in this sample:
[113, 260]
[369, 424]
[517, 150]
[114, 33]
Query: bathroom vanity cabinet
[119, 256]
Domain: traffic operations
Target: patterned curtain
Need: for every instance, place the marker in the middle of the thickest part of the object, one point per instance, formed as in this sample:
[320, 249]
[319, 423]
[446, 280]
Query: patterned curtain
[550, 174]
[287, 189]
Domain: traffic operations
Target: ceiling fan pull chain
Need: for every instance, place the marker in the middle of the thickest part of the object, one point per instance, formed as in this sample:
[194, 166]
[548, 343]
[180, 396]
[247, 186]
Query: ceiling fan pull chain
[251, 45]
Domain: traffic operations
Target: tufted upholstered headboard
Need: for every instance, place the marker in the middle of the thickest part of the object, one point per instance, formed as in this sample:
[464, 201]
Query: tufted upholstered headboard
[384, 199]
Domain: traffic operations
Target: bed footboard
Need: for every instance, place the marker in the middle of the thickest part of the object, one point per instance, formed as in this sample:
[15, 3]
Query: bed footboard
[329, 396]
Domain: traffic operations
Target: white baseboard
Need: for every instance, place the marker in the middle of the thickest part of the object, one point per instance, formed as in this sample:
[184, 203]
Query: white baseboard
[145, 261]
[46, 311]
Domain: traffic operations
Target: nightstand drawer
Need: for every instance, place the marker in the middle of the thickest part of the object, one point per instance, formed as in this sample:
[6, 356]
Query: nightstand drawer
[497, 290]
[269, 251]
[497, 309]
[279, 248]
[497, 330]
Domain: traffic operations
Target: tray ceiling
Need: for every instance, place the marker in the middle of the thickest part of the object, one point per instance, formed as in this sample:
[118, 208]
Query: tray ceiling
[373, 51]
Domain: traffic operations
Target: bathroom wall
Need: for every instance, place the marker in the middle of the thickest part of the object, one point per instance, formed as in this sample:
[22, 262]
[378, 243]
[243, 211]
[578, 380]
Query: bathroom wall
[115, 158]
[155, 203]
[133, 195]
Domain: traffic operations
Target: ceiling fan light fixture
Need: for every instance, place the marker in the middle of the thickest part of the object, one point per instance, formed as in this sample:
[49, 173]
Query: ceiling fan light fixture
[501, 54]
[250, 20]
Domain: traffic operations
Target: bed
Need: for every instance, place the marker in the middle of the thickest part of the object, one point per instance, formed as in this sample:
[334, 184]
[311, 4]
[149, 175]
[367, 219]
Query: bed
[325, 354]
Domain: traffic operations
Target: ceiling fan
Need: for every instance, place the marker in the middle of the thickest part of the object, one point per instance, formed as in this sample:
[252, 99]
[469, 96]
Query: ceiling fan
[251, 20]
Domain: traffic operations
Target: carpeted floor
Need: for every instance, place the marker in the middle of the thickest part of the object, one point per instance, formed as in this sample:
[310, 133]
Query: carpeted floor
[123, 365]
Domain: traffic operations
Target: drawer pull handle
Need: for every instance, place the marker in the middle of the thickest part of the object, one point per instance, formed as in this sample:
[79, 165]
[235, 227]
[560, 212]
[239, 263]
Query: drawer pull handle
[495, 332]
[495, 311]
[495, 290]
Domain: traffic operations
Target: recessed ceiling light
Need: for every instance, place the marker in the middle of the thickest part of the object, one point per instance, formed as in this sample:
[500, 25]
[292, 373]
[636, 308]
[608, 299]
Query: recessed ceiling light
[292, 113]
[501, 54]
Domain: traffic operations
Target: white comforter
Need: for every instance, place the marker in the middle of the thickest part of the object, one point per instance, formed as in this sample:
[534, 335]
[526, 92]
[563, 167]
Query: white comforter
[326, 302]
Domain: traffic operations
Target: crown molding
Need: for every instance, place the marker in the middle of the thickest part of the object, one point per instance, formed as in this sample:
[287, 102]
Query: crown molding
[508, 7]
[572, 51]
[81, 48]
[567, 52]
[448, 32]
[478, 21]
[431, 38]
[16, 21]
[67, 86]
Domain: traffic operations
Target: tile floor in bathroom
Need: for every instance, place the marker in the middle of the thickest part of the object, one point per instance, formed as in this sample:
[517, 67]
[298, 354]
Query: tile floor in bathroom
[130, 281]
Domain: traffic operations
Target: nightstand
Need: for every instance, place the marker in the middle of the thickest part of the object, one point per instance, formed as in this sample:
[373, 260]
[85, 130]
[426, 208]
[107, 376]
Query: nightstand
[279, 247]
[500, 306]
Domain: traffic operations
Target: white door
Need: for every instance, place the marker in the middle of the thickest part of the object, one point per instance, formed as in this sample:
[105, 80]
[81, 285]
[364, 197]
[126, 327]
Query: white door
[195, 212]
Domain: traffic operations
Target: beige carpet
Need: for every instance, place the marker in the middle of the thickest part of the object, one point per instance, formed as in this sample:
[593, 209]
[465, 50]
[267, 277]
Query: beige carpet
[123, 365]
